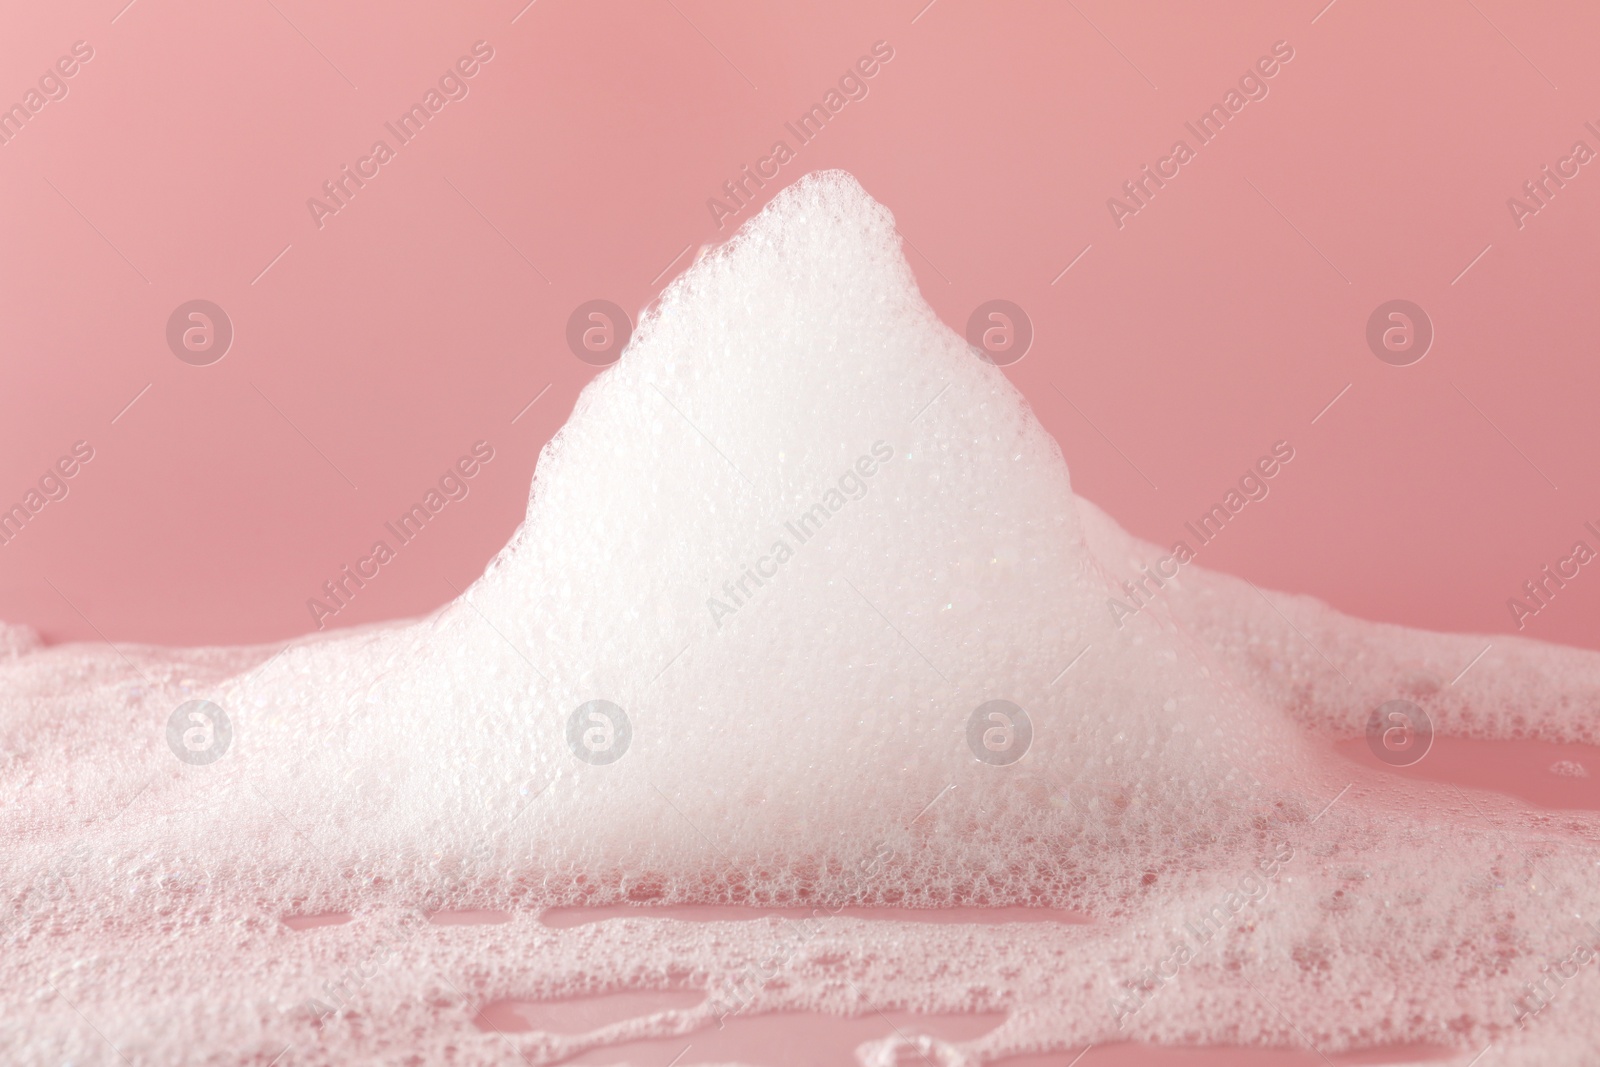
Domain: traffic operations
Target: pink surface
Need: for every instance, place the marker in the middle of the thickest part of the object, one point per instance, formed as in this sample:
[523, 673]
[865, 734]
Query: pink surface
[814, 1040]
[371, 352]
[1535, 772]
[561, 918]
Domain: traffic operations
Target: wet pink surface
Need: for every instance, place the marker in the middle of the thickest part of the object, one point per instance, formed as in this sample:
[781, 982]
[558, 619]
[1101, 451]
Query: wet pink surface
[579, 1014]
[561, 918]
[469, 917]
[312, 922]
[1133, 1055]
[811, 1039]
[1536, 772]
[791, 1040]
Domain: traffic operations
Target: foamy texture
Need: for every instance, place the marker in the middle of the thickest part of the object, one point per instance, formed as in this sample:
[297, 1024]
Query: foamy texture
[799, 741]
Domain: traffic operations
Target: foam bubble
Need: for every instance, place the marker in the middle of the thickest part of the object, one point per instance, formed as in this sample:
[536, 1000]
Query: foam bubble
[780, 556]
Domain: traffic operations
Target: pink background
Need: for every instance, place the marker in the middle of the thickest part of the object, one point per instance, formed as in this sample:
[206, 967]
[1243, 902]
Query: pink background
[426, 314]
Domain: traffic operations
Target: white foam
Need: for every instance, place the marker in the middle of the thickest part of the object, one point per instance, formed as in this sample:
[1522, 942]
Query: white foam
[810, 746]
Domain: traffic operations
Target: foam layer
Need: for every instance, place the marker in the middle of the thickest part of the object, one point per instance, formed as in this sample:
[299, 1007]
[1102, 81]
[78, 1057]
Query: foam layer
[799, 535]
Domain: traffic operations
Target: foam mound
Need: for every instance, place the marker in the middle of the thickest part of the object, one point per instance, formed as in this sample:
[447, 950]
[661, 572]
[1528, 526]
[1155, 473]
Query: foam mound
[746, 649]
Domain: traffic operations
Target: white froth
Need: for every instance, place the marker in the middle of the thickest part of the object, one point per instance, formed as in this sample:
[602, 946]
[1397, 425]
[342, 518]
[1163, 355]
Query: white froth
[801, 740]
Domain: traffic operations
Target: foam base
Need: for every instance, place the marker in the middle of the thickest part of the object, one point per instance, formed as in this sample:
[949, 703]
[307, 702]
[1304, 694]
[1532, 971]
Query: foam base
[799, 734]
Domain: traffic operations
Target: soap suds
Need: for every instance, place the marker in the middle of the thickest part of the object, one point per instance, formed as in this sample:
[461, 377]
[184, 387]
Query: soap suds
[808, 750]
